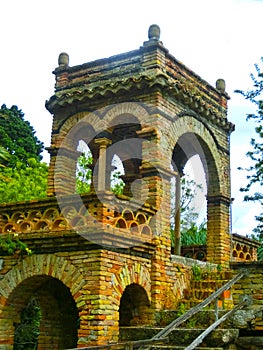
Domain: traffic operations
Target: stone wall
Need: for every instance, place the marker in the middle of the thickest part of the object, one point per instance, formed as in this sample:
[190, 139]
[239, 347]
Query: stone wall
[251, 286]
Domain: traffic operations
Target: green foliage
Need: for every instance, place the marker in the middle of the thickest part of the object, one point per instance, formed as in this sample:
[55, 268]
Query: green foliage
[197, 272]
[195, 235]
[181, 310]
[27, 332]
[12, 244]
[117, 184]
[189, 190]
[188, 215]
[191, 234]
[17, 137]
[260, 252]
[84, 175]
[4, 156]
[23, 181]
[253, 189]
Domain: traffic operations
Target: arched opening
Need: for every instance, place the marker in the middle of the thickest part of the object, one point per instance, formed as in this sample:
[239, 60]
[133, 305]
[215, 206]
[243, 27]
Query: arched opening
[126, 150]
[41, 313]
[117, 172]
[63, 164]
[84, 168]
[193, 166]
[134, 306]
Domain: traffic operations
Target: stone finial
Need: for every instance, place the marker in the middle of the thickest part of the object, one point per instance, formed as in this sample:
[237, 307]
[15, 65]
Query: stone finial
[154, 32]
[221, 85]
[63, 59]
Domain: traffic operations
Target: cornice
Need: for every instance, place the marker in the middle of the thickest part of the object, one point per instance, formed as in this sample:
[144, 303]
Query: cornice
[180, 89]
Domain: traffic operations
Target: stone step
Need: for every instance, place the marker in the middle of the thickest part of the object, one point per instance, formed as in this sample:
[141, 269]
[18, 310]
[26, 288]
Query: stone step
[251, 342]
[202, 319]
[220, 337]
[181, 337]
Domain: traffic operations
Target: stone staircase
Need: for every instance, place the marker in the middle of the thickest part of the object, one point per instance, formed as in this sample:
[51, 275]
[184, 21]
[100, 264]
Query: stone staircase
[179, 338]
[203, 286]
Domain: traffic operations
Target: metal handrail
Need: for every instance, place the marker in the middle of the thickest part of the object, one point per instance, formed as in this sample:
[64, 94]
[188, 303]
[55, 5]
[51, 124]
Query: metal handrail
[175, 323]
[200, 338]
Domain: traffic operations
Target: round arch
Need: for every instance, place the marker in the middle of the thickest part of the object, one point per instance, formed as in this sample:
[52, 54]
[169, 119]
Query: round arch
[187, 137]
[136, 273]
[135, 109]
[136, 279]
[109, 121]
[42, 277]
[75, 121]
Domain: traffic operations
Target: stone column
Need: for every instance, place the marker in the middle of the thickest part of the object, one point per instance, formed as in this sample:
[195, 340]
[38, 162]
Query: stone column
[103, 143]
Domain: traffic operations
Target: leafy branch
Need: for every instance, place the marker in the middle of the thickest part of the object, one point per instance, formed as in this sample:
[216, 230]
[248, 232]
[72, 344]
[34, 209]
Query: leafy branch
[12, 245]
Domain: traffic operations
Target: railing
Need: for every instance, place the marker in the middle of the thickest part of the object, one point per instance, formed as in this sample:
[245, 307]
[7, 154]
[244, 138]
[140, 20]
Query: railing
[178, 321]
[243, 249]
[201, 337]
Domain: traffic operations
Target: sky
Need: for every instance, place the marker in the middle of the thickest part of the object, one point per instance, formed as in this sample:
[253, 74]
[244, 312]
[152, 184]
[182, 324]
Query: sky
[214, 38]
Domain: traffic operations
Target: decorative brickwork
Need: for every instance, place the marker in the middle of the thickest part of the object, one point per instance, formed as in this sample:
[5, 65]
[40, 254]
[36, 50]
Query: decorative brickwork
[243, 248]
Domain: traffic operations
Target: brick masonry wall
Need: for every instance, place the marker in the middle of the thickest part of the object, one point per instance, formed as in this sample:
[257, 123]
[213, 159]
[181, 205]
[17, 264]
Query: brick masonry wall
[87, 286]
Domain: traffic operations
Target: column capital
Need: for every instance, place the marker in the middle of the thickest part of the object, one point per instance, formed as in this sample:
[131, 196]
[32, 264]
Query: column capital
[103, 141]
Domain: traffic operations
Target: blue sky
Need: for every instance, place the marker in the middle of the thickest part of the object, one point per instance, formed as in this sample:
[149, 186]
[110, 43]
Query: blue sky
[215, 38]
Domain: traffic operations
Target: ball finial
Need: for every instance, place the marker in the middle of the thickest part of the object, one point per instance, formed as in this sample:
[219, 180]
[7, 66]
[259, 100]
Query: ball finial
[63, 59]
[221, 85]
[154, 32]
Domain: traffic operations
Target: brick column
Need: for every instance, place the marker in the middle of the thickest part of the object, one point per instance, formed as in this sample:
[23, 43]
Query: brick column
[62, 171]
[218, 227]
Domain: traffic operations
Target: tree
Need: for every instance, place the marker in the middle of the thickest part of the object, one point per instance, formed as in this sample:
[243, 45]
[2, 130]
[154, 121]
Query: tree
[195, 235]
[190, 232]
[22, 174]
[4, 156]
[253, 189]
[189, 215]
[23, 181]
[84, 174]
[17, 137]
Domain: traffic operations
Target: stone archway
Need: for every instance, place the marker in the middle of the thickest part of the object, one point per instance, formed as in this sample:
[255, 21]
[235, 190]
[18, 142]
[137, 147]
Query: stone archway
[134, 306]
[44, 279]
